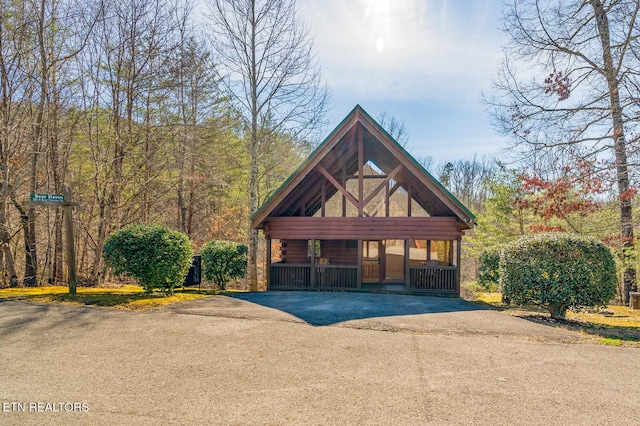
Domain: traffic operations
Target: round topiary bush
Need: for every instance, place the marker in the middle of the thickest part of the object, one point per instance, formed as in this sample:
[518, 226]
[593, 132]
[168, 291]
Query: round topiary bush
[223, 261]
[489, 268]
[157, 256]
[557, 271]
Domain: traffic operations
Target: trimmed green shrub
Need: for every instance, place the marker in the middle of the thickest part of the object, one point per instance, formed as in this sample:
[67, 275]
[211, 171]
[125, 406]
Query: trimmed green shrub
[489, 268]
[558, 272]
[223, 261]
[157, 256]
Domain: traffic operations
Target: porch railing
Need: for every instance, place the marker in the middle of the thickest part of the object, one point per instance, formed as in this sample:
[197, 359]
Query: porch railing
[437, 279]
[288, 275]
[336, 276]
[440, 279]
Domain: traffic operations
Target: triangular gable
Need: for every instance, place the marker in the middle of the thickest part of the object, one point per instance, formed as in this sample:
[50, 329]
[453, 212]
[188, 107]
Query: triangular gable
[337, 154]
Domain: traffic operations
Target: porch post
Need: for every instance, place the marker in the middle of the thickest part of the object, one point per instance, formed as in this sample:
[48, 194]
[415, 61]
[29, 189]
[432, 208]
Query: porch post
[407, 271]
[313, 263]
[359, 273]
[268, 271]
[458, 255]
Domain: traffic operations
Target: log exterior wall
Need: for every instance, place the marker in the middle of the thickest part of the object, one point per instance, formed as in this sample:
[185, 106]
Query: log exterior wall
[295, 251]
[363, 228]
[340, 252]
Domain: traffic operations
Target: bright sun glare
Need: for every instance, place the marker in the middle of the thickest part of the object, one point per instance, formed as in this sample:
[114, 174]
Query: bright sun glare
[378, 13]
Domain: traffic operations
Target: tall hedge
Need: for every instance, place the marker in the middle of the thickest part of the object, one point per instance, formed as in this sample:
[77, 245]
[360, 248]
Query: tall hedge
[223, 261]
[558, 271]
[157, 256]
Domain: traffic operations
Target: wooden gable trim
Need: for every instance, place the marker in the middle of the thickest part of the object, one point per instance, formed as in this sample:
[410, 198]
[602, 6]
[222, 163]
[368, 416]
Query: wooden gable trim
[382, 185]
[339, 187]
[360, 171]
[413, 169]
[305, 168]
[327, 160]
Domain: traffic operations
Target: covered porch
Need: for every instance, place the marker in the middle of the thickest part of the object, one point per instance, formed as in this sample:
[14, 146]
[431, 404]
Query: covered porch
[373, 254]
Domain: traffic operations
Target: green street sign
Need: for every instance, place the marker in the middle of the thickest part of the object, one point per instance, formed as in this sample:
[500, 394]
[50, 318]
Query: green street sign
[47, 198]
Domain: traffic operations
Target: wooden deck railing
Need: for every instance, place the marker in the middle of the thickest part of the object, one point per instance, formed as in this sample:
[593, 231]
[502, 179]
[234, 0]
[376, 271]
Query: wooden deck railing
[287, 275]
[436, 279]
[336, 276]
[441, 279]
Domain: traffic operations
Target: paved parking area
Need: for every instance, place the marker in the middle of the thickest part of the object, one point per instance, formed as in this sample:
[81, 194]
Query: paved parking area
[265, 359]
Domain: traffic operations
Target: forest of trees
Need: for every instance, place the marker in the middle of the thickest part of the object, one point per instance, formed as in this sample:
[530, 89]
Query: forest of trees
[127, 103]
[158, 111]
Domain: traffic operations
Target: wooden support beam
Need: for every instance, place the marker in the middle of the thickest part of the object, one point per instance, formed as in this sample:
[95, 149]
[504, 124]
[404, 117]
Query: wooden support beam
[339, 187]
[409, 198]
[458, 256]
[323, 199]
[269, 254]
[407, 268]
[360, 170]
[366, 177]
[395, 187]
[359, 273]
[387, 197]
[313, 264]
[382, 185]
[344, 183]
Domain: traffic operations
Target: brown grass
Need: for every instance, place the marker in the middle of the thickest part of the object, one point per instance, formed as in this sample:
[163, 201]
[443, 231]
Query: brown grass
[129, 297]
[612, 325]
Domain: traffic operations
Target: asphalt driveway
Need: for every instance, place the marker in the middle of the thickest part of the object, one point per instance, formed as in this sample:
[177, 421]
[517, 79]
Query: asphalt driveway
[341, 358]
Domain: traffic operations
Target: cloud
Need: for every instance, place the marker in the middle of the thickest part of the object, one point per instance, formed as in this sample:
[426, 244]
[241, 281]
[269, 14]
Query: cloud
[431, 48]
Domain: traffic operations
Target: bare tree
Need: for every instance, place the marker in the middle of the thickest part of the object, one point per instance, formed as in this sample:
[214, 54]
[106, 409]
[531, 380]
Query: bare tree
[468, 179]
[396, 128]
[576, 88]
[15, 87]
[194, 95]
[119, 71]
[268, 68]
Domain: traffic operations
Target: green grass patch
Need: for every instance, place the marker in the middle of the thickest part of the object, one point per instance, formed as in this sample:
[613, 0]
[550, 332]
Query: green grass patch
[129, 297]
[612, 325]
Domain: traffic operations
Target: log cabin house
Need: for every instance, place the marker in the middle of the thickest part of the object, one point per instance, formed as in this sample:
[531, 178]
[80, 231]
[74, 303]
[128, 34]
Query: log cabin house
[361, 214]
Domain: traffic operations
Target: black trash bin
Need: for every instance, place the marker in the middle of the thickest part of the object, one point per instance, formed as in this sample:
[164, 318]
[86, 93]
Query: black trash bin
[194, 276]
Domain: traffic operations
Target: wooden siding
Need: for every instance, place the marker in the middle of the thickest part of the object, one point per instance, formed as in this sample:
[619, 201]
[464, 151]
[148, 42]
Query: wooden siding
[340, 252]
[341, 228]
[295, 251]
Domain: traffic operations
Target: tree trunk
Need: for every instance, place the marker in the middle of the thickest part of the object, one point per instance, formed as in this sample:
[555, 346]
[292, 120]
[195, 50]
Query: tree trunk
[253, 183]
[558, 311]
[620, 148]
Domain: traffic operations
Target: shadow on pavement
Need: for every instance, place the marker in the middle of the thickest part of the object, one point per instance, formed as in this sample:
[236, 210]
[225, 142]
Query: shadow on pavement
[326, 308]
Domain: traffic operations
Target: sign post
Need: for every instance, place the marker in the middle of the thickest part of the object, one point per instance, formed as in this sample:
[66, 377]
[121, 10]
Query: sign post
[71, 247]
[64, 200]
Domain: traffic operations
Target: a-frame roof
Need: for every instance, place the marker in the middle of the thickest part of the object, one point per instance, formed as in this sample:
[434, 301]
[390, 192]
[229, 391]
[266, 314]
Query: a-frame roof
[338, 155]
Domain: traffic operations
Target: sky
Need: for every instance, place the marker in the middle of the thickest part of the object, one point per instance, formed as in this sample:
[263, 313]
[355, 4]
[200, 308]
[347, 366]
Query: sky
[424, 62]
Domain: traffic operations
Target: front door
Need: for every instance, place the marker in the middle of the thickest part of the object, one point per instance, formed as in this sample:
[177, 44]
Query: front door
[371, 257]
